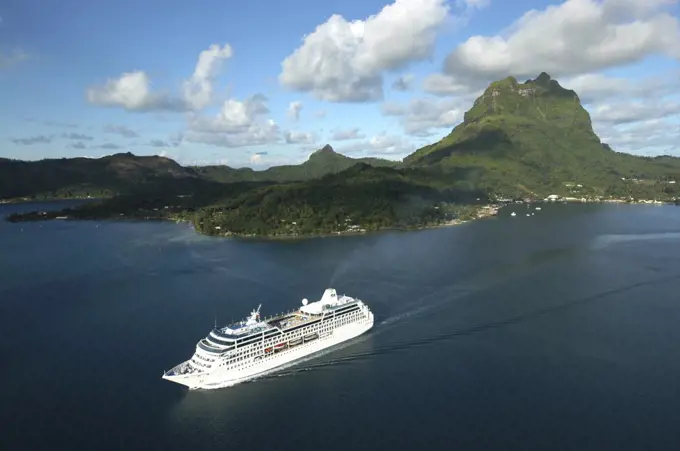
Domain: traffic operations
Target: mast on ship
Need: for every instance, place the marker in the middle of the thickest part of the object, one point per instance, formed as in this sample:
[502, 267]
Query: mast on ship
[254, 316]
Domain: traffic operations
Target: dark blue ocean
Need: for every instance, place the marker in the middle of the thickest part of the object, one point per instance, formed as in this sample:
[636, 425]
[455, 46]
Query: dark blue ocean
[557, 331]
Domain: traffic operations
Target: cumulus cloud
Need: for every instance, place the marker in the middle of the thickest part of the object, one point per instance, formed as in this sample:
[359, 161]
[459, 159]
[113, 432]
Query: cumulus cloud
[297, 137]
[78, 145]
[120, 130]
[38, 139]
[351, 133]
[381, 144]
[254, 135]
[385, 144]
[595, 87]
[647, 137]
[446, 85]
[234, 116]
[629, 112]
[132, 92]
[344, 61]
[198, 89]
[256, 159]
[574, 37]
[421, 116]
[294, 110]
[262, 160]
[238, 124]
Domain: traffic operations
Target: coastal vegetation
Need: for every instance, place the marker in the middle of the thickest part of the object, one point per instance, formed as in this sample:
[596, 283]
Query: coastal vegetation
[518, 141]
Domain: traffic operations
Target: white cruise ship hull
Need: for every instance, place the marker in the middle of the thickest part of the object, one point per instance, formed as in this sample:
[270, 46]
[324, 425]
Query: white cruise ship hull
[222, 377]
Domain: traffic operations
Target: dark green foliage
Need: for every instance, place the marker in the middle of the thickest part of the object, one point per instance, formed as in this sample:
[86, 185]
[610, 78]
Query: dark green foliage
[82, 177]
[362, 197]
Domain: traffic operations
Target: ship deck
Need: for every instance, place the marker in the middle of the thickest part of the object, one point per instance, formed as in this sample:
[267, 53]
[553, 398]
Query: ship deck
[290, 320]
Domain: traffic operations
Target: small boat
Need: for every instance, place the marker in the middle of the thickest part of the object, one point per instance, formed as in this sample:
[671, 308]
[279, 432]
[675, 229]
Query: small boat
[311, 337]
[513, 214]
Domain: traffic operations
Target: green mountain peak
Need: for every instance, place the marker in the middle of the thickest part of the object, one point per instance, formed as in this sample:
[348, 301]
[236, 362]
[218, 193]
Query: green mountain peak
[536, 127]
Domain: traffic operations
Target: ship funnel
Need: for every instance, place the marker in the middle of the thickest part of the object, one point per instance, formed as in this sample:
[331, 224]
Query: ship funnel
[329, 295]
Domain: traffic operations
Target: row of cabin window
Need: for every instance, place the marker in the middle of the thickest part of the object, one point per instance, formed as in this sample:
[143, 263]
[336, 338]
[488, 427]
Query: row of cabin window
[342, 321]
[204, 358]
[269, 342]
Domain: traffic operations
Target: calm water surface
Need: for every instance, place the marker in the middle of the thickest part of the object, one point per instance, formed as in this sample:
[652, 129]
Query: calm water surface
[557, 331]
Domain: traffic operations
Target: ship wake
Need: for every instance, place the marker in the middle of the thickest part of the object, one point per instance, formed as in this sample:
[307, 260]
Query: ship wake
[466, 331]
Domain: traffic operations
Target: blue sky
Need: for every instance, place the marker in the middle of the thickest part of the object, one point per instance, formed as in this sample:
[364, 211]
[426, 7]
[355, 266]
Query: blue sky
[261, 83]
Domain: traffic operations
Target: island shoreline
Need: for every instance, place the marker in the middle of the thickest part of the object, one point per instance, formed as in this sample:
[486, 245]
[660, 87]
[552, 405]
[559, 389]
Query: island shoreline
[489, 210]
[484, 211]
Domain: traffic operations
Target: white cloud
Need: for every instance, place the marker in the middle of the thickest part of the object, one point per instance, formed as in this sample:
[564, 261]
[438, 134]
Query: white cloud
[254, 135]
[297, 137]
[346, 134]
[648, 137]
[595, 87]
[381, 145]
[574, 37]
[294, 110]
[629, 112]
[256, 159]
[198, 89]
[421, 116]
[238, 124]
[344, 61]
[446, 85]
[262, 160]
[132, 92]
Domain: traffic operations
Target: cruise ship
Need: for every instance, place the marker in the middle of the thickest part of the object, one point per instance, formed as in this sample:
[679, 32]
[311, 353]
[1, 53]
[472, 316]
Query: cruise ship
[253, 346]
